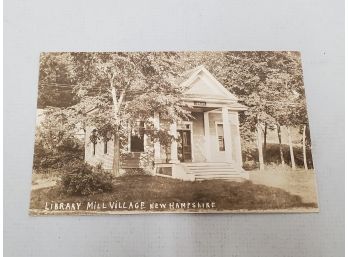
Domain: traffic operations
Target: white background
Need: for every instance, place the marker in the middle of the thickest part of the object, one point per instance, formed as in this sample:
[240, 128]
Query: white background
[316, 28]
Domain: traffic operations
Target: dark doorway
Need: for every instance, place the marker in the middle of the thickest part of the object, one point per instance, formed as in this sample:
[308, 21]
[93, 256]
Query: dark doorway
[184, 146]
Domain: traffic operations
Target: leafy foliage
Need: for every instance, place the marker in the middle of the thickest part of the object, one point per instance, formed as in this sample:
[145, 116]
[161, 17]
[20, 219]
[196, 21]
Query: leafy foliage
[165, 139]
[82, 179]
[273, 156]
[269, 83]
[137, 83]
[55, 142]
[46, 160]
[122, 88]
[56, 82]
[112, 91]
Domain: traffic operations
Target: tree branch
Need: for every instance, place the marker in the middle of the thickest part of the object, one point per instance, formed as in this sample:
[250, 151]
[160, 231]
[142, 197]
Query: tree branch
[114, 97]
[120, 100]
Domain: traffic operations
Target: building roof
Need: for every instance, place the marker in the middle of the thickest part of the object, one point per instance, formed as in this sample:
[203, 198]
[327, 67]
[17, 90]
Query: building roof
[201, 83]
[202, 88]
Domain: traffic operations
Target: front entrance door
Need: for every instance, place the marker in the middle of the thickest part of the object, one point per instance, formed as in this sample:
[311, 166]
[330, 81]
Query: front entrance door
[184, 146]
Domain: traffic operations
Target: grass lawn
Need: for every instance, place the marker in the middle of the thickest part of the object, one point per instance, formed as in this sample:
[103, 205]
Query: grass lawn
[227, 195]
[297, 182]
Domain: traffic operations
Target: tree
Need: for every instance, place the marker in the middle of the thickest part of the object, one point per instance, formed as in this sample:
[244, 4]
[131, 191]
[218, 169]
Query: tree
[292, 158]
[269, 83]
[286, 101]
[259, 147]
[245, 74]
[265, 137]
[165, 139]
[304, 147]
[279, 133]
[56, 81]
[55, 142]
[122, 88]
[55, 130]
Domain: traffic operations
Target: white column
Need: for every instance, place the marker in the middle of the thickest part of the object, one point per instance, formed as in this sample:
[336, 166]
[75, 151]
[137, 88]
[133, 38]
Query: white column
[157, 145]
[174, 144]
[236, 138]
[227, 134]
[207, 136]
[145, 142]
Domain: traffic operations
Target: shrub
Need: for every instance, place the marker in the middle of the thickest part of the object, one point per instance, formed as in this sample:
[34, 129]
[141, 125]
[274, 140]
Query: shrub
[82, 179]
[47, 160]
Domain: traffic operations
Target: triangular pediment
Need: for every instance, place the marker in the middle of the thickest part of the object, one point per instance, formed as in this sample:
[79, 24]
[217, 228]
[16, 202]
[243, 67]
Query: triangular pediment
[200, 82]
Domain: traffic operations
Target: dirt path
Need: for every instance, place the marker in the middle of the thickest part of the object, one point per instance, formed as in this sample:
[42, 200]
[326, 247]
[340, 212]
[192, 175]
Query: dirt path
[40, 180]
[43, 184]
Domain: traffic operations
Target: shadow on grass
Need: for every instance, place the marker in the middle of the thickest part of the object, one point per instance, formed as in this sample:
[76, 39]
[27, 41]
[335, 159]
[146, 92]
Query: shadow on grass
[227, 195]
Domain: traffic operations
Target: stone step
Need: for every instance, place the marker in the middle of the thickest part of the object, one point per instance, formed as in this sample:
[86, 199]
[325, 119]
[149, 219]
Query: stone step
[130, 161]
[217, 170]
[214, 172]
[238, 179]
[212, 168]
[218, 177]
[130, 166]
[224, 168]
[209, 164]
[131, 156]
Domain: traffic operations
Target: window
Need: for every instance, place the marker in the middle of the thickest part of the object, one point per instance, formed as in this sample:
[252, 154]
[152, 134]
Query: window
[105, 147]
[94, 144]
[137, 137]
[220, 135]
[106, 139]
[94, 139]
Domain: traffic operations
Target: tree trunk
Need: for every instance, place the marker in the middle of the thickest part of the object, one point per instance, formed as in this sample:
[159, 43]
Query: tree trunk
[259, 146]
[265, 142]
[116, 106]
[293, 166]
[304, 148]
[116, 159]
[280, 145]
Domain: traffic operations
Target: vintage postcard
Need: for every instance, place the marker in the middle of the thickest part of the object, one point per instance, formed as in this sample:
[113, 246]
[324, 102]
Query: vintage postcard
[171, 132]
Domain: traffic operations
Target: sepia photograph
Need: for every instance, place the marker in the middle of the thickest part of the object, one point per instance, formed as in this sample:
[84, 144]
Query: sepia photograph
[181, 128]
[172, 132]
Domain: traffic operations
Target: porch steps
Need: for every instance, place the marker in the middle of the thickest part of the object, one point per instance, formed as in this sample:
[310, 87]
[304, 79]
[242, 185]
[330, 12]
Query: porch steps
[131, 161]
[209, 171]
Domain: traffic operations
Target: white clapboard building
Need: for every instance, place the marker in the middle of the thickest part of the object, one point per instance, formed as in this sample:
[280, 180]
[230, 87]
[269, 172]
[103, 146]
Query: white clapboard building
[208, 146]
